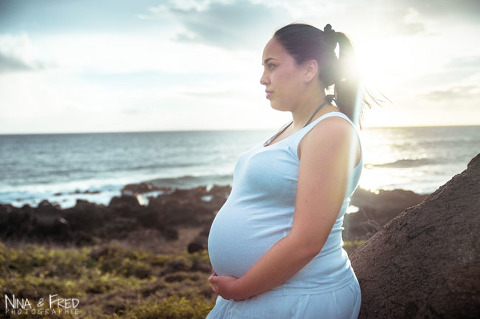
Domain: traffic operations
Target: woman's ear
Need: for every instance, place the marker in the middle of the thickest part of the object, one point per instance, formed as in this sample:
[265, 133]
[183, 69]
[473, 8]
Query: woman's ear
[311, 70]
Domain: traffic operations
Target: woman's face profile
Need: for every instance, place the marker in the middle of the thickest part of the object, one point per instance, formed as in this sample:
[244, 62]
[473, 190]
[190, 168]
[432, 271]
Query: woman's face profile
[282, 77]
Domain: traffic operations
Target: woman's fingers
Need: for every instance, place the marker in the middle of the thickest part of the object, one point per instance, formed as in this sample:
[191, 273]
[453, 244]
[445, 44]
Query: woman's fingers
[212, 280]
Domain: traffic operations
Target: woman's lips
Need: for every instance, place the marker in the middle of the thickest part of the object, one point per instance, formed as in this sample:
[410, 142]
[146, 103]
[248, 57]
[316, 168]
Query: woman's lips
[269, 93]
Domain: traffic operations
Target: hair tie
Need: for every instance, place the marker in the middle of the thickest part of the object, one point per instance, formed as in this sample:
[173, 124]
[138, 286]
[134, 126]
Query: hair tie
[330, 36]
[328, 30]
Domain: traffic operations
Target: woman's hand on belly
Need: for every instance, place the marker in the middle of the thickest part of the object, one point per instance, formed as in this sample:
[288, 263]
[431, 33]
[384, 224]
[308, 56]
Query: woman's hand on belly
[226, 286]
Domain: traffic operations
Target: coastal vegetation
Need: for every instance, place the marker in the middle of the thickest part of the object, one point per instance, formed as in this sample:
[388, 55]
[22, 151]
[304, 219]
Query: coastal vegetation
[109, 280]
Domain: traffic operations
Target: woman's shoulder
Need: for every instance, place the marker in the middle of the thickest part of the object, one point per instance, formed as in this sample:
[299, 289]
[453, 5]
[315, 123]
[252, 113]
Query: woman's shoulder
[330, 125]
[331, 129]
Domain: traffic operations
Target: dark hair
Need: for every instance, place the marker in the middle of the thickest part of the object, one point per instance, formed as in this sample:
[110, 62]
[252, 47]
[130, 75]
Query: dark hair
[305, 42]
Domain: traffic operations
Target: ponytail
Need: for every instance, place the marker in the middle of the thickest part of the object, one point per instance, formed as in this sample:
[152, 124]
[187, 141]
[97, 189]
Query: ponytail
[348, 95]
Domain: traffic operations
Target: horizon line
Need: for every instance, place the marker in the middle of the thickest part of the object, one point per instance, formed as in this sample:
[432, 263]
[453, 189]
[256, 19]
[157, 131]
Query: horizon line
[214, 130]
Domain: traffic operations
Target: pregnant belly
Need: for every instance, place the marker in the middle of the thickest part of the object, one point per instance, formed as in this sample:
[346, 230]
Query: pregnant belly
[236, 241]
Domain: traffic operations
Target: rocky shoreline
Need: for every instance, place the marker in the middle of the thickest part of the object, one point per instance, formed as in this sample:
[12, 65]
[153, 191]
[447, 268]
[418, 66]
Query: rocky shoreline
[178, 218]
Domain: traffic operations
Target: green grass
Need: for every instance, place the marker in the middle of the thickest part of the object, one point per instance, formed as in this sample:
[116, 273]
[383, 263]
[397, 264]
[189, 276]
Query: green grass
[110, 280]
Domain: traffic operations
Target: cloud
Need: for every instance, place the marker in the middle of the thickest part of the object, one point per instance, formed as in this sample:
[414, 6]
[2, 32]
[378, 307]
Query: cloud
[16, 54]
[398, 19]
[411, 23]
[469, 62]
[461, 9]
[454, 94]
[411, 17]
[461, 69]
[14, 64]
[237, 24]
[59, 16]
[421, 11]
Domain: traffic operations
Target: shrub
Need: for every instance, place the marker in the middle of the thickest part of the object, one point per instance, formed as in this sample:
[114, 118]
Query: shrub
[173, 308]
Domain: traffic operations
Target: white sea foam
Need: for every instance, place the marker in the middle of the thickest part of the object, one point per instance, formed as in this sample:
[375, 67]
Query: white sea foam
[95, 167]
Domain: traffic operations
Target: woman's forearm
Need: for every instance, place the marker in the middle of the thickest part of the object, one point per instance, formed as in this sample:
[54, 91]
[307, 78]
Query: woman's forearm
[281, 262]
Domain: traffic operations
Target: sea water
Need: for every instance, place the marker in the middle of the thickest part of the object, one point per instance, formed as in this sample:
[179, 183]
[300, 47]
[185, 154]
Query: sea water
[95, 166]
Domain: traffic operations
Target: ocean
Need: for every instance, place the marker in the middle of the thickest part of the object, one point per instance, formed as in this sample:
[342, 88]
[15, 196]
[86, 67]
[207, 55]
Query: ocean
[95, 166]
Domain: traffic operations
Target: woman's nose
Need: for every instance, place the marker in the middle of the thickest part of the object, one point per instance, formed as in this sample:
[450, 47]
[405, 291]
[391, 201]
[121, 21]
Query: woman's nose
[264, 79]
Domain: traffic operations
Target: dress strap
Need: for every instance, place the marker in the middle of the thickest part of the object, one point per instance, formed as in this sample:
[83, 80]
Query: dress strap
[295, 142]
[325, 116]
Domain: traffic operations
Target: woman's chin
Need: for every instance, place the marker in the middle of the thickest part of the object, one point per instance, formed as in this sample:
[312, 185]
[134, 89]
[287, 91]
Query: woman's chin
[277, 107]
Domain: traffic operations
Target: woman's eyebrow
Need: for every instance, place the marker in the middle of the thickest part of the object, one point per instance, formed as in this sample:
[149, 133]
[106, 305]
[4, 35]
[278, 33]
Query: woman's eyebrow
[267, 59]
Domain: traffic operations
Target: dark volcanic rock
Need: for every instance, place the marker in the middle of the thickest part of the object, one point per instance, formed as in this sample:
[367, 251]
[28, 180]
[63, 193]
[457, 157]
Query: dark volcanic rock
[134, 189]
[85, 216]
[87, 222]
[198, 244]
[46, 206]
[18, 221]
[124, 202]
[426, 262]
[219, 195]
[201, 266]
[376, 210]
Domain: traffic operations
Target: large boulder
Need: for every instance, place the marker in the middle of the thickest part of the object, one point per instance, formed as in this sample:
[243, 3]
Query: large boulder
[425, 263]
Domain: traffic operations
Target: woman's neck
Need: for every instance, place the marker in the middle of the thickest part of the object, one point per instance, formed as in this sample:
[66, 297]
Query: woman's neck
[306, 108]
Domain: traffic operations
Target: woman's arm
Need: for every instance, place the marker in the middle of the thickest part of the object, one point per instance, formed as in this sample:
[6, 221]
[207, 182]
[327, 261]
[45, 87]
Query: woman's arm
[326, 158]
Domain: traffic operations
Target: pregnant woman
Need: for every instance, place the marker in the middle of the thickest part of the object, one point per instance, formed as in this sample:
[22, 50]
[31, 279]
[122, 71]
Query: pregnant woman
[276, 244]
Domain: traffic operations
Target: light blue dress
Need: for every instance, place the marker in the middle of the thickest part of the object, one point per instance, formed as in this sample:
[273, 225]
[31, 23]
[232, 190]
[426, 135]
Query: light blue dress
[257, 214]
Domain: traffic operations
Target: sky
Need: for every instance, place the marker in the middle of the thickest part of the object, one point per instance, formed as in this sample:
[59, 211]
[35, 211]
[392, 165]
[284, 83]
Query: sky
[69, 66]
